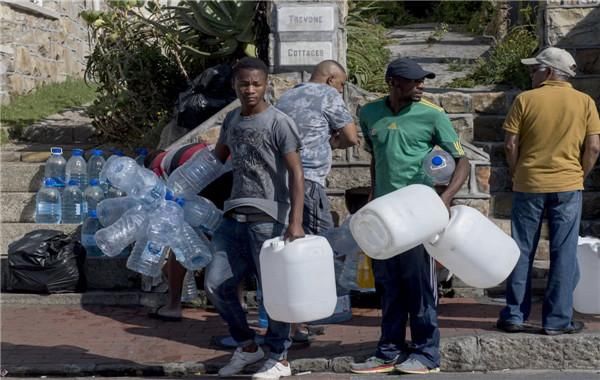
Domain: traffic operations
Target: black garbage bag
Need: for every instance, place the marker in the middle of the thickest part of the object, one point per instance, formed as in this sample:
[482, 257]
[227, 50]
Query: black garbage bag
[46, 261]
[208, 93]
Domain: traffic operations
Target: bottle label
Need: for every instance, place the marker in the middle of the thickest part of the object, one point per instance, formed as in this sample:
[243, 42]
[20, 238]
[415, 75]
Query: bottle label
[77, 209]
[152, 252]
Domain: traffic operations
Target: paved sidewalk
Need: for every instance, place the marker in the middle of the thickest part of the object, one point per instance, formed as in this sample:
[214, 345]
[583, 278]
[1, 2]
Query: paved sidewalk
[118, 340]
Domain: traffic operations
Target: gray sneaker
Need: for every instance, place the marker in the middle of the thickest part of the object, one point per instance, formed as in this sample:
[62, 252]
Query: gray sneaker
[374, 365]
[415, 367]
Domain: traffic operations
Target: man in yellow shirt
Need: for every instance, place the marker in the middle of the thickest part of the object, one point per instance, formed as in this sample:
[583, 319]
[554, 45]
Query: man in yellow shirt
[552, 143]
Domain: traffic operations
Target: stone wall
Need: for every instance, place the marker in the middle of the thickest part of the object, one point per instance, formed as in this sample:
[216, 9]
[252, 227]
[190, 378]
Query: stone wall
[575, 26]
[40, 44]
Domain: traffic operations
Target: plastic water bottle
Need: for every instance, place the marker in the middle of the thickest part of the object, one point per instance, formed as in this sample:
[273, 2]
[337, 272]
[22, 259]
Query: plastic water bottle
[192, 249]
[189, 291]
[122, 173]
[348, 277]
[74, 207]
[148, 188]
[56, 167]
[48, 204]
[93, 194]
[201, 212]
[141, 156]
[263, 318]
[138, 263]
[102, 176]
[113, 239]
[439, 166]
[88, 231]
[195, 174]
[95, 164]
[162, 231]
[77, 168]
[111, 209]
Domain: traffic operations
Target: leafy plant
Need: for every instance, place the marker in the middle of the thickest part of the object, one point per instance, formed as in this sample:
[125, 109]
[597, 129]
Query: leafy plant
[138, 84]
[439, 32]
[367, 55]
[504, 64]
[385, 13]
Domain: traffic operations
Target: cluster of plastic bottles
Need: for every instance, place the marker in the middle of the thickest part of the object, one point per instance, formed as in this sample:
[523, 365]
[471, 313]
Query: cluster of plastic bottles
[154, 218]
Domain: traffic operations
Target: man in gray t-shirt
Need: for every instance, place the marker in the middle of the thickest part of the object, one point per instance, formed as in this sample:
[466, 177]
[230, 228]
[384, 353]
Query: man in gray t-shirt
[267, 194]
[323, 121]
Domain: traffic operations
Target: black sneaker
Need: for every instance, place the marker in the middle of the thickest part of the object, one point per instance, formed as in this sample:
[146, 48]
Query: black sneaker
[509, 327]
[574, 328]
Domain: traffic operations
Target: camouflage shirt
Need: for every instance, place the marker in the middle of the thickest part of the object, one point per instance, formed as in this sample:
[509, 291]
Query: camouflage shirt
[317, 109]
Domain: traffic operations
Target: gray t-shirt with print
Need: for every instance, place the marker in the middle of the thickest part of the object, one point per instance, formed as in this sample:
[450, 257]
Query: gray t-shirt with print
[257, 144]
[317, 109]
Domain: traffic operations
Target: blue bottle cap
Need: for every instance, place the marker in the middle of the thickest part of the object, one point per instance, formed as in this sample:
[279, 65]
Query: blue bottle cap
[77, 152]
[97, 152]
[56, 150]
[73, 182]
[49, 182]
[94, 182]
[92, 214]
[437, 160]
[169, 196]
[141, 151]
[180, 201]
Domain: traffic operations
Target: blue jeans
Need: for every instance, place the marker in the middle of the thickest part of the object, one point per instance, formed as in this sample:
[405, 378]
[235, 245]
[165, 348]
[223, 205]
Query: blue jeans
[564, 215]
[237, 247]
[317, 213]
[408, 288]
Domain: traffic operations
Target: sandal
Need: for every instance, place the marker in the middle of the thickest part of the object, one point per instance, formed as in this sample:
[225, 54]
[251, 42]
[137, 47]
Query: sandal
[167, 318]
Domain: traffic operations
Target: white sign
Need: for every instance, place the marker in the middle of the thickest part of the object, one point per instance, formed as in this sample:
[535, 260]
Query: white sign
[304, 53]
[305, 19]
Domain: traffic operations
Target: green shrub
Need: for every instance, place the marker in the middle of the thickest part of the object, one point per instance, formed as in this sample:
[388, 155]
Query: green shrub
[367, 55]
[504, 64]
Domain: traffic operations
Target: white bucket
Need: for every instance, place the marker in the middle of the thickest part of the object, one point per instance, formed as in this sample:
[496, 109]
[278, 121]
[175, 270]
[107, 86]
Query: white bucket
[586, 297]
[298, 279]
[474, 248]
[398, 221]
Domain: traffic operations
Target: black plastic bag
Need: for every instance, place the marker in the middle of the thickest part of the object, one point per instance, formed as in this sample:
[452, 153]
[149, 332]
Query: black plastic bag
[46, 261]
[208, 93]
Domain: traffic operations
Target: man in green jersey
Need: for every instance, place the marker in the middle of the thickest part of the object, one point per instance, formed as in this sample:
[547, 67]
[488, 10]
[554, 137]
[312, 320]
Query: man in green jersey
[400, 129]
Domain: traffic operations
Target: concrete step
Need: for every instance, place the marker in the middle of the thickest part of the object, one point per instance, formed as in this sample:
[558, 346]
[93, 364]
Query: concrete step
[37, 153]
[18, 177]
[17, 207]
[10, 232]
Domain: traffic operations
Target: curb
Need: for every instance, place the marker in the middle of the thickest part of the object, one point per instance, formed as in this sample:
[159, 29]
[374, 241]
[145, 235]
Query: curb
[487, 352]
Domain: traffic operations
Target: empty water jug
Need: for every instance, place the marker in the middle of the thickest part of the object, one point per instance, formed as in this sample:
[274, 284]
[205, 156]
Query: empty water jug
[298, 279]
[110, 210]
[474, 248]
[201, 212]
[90, 226]
[398, 221]
[439, 166]
[113, 239]
[586, 297]
[195, 174]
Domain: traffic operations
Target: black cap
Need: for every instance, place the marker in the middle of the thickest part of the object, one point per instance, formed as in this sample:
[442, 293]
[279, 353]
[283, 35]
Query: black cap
[407, 68]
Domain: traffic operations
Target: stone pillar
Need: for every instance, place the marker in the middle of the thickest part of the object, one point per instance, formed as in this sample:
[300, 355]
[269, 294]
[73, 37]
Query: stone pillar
[305, 33]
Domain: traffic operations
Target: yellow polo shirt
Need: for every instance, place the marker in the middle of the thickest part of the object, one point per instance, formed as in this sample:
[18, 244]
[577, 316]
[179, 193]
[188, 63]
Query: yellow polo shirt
[552, 122]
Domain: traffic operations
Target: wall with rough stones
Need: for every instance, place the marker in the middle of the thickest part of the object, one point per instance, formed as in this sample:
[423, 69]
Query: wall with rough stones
[40, 44]
[575, 26]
